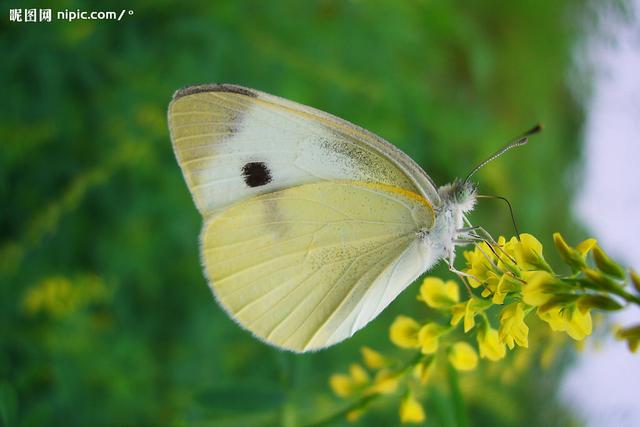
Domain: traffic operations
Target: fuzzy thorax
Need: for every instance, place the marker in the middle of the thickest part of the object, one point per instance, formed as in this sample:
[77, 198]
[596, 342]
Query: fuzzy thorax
[457, 198]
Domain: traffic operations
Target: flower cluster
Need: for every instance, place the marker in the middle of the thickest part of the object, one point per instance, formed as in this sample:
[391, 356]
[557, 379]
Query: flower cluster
[505, 281]
[60, 296]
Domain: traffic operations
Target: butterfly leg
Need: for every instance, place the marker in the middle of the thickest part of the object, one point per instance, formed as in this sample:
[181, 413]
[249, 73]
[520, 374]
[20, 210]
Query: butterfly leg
[464, 277]
[493, 245]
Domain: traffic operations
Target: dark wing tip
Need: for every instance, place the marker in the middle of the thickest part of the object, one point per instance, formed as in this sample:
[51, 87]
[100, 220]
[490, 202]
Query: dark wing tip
[222, 87]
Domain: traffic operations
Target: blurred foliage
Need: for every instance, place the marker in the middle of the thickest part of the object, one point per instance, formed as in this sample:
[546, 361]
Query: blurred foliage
[95, 217]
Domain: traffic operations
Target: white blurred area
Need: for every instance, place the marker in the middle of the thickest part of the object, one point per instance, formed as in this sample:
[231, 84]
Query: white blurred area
[604, 386]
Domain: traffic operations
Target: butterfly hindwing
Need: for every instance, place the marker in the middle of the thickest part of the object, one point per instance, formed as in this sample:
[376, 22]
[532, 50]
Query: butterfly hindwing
[305, 267]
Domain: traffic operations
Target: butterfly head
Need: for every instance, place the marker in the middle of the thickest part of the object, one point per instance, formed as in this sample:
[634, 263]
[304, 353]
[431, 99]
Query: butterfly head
[459, 194]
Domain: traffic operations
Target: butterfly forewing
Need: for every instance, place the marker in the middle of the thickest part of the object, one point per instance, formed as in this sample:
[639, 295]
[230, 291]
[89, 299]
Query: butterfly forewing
[233, 143]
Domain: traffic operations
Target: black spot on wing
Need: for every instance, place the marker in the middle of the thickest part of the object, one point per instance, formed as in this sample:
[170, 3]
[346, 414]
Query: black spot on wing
[256, 174]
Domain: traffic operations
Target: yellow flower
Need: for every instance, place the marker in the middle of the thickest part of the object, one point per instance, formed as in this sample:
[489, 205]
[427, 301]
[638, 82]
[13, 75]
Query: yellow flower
[468, 310]
[411, 410]
[386, 382]
[479, 263]
[506, 285]
[55, 296]
[438, 294]
[506, 252]
[490, 285]
[513, 330]
[570, 319]
[428, 337]
[490, 345]
[372, 358]
[580, 324]
[346, 385]
[463, 357]
[404, 332]
[539, 288]
[528, 253]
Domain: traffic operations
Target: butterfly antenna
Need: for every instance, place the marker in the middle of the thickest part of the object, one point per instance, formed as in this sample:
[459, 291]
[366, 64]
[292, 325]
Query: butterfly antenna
[504, 199]
[521, 140]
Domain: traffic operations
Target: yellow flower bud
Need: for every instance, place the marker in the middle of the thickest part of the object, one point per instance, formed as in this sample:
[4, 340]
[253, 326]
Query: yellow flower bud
[602, 281]
[576, 258]
[341, 385]
[463, 357]
[404, 332]
[489, 344]
[512, 329]
[358, 374]
[355, 414]
[372, 358]
[606, 264]
[438, 294]
[586, 246]
[635, 280]
[428, 337]
[631, 335]
[601, 302]
[411, 410]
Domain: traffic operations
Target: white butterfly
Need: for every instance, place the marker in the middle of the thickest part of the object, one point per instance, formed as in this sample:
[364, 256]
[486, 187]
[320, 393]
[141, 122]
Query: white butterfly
[312, 225]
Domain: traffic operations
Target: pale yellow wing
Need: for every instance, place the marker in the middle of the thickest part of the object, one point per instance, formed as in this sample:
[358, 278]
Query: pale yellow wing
[305, 267]
[233, 143]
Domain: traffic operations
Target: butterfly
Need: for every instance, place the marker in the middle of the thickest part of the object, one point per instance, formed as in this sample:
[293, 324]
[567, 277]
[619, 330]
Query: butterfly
[311, 225]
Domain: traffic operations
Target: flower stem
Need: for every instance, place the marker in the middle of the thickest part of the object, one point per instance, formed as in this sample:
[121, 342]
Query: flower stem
[339, 415]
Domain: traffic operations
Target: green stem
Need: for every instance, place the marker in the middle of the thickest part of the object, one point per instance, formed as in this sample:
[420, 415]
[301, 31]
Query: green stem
[339, 415]
[630, 298]
[460, 412]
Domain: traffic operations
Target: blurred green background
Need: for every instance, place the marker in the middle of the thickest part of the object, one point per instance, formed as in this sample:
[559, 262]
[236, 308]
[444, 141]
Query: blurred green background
[105, 316]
